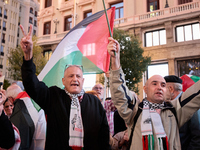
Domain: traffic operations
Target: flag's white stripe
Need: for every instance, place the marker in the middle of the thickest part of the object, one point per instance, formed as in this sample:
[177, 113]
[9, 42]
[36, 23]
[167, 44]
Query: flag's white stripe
[65, 47]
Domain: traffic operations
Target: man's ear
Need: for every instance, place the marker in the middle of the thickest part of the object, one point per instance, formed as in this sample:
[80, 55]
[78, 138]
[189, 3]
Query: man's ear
[171, 89]
[145, 89]
[63, 79]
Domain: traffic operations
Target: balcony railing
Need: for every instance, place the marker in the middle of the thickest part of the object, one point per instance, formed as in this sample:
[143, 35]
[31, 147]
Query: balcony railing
[159, 14]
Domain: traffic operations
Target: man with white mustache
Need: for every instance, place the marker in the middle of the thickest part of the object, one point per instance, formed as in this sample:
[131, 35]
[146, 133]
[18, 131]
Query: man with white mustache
[75, 119]
[152, 123]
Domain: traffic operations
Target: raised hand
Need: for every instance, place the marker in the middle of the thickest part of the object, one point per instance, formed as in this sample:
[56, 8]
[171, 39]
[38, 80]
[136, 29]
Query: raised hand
[27, 43]
[113, 46]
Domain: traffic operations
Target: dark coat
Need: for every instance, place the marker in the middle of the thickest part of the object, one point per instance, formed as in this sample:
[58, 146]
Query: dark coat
[7, 137]
[56, 104]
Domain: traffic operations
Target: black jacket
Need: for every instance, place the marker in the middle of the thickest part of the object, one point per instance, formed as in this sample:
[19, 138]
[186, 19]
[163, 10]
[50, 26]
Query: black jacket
[56, 104]
[7, 137]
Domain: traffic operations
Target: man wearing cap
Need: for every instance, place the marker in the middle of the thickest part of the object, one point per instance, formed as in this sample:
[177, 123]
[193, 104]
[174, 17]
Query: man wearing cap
[174, 87]
[190, 131]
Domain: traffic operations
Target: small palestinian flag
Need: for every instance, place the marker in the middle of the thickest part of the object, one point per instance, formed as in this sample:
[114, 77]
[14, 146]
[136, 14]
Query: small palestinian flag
[188, 80]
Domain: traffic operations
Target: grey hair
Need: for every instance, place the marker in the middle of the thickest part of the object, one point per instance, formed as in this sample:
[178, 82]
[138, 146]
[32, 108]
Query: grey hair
[178, 86]
[13, 91]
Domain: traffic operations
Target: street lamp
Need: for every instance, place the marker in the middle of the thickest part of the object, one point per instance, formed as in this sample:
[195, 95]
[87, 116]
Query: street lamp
[166, 5]
[56, 22]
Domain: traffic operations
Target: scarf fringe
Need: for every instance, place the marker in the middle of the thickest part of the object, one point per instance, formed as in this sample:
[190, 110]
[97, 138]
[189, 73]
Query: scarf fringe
[148, 143]
[77, 148]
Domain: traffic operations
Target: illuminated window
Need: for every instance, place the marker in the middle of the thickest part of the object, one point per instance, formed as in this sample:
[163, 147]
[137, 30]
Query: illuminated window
[190, 66]
[152, 5]
[154, 38]
[47, 54]
[187, 32]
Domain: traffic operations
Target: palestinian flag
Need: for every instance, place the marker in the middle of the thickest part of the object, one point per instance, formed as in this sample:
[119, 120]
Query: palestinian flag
[85, 44]
[188, 81]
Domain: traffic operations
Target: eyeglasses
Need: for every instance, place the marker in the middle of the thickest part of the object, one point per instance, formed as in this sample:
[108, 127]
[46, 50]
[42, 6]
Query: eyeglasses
[80, 66]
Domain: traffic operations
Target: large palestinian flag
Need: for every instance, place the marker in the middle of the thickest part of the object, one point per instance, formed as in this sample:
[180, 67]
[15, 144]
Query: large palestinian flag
[188, 81]
[85, 44]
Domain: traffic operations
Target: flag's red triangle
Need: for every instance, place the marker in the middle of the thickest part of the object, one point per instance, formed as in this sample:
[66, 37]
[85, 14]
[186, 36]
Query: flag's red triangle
[93, 42]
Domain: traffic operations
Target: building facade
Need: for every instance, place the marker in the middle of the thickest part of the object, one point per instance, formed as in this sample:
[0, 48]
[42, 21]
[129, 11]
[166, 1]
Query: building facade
[12, 14]
[169, 29]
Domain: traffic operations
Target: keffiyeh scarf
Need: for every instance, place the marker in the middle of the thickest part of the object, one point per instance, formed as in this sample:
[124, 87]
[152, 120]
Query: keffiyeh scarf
[151, 120]
[76, 132]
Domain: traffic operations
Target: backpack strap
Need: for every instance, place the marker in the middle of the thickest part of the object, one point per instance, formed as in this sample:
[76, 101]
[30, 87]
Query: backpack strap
[132, 129]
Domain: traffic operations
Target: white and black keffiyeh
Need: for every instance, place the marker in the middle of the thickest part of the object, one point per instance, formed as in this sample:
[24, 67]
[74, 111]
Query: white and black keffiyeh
[76, 131]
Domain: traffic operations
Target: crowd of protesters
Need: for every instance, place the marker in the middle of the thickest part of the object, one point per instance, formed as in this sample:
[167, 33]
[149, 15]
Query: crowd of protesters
[73, 119]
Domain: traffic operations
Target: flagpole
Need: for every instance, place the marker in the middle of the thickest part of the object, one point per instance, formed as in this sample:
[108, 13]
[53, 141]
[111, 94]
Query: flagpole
[107, 21]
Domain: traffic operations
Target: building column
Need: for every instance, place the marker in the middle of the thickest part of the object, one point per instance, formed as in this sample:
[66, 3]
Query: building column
[171, 66]
[169, 32]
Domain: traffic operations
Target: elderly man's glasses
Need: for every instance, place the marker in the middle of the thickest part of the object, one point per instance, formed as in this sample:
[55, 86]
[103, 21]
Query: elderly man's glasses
[80, 66]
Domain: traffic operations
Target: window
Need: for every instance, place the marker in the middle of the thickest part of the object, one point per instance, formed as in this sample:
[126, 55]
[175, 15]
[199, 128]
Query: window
[2, 48]
[67, 23]
[190, 66]
[47, 28]
[31, 20]
[152, 5]
[35, 23]
[154, 38]
[184, 1]
[48, 3]
[34, 32]
[4, 25]
[31, 10]
[47, 54]
[187, 32]
[119, 10]
[157, 69]
[87, 14]
[35, 13]
[5, 13]
[3, 38]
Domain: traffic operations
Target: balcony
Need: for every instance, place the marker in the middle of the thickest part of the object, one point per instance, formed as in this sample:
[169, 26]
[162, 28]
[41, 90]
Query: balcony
[183, 9]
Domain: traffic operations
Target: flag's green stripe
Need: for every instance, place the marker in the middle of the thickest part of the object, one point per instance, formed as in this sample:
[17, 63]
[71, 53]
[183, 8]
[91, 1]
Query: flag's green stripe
[58, 69]
[195, 78]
